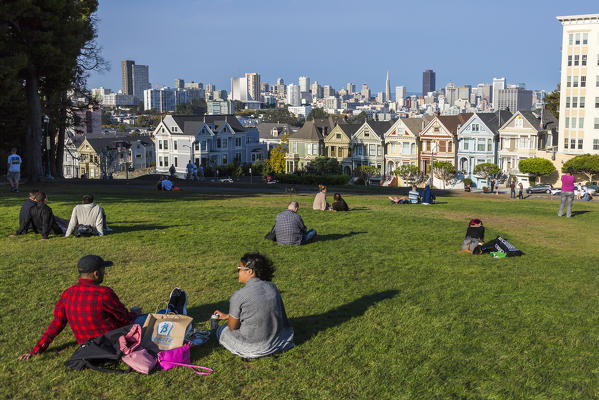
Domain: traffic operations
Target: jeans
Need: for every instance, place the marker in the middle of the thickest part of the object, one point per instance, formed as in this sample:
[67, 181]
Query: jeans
[308, 236]
[512, 194]
[566, 197]
[141, 318]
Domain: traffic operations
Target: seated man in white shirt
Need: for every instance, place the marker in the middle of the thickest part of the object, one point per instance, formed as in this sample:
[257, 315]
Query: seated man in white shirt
[87, 214]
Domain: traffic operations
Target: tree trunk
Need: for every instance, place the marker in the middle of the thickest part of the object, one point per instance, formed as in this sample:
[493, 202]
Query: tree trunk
[33, 141]
[58, 137]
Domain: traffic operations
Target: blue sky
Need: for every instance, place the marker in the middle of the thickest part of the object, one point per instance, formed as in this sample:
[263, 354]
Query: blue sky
[335, 42]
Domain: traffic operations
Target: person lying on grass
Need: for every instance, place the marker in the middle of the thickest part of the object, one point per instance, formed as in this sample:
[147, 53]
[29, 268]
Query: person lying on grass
[399, 200]
[42, 220]
[90, 309]
[339, 204]
[257, 323]
[290, 229]
[475, 236]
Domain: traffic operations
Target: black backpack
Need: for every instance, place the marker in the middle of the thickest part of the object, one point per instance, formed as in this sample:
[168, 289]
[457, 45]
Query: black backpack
[98, 351]
[84, 231]
[500, 244]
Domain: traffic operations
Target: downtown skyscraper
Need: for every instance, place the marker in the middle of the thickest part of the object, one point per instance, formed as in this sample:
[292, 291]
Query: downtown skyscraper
[135, 79]
[428, 81]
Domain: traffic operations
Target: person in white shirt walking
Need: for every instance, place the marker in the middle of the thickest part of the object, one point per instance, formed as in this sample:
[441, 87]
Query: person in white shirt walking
[14, 170]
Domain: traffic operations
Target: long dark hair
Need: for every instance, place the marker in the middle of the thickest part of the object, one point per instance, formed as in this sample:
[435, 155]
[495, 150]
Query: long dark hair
[262, 265]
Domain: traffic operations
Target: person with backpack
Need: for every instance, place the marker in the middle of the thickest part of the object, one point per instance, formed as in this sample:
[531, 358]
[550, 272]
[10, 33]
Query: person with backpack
[88, 217]
[90, 310]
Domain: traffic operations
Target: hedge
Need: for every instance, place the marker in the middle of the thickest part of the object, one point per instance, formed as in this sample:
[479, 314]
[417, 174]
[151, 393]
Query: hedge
[313, 179]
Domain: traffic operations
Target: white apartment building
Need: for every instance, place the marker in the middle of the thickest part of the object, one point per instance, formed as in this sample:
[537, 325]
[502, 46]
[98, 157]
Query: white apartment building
[293, 95]
[579, 97]
[304, 83]
[498, 84]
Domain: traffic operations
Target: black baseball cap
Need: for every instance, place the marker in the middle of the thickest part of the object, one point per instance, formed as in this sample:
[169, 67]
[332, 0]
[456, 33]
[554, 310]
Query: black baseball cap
[92, 263]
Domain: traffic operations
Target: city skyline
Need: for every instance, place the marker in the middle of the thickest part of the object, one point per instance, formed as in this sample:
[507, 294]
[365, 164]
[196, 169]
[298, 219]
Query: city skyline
[460, 53]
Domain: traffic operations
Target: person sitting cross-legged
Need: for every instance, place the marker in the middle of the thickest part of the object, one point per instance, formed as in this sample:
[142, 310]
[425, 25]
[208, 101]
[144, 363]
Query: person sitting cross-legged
[24, 213]
[414, 196]
[290, 228]
[41, 219]
[90, 310]
[339, 204]
[257, 323]
[87, 214]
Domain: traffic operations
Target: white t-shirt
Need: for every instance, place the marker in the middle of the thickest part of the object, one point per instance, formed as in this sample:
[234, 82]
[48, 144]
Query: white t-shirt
[14, 163]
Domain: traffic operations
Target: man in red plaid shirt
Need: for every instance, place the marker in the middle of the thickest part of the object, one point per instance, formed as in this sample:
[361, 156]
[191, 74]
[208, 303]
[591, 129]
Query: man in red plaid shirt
[90, 309]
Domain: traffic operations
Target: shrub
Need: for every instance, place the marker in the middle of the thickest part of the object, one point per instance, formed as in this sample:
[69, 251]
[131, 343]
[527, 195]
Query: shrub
[312, 179]
[467, 181]
[485, 189]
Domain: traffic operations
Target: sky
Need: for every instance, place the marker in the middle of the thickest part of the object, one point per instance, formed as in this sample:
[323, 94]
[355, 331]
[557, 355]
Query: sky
[336, 42]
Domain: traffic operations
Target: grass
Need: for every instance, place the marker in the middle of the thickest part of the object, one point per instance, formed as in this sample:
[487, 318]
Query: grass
[383, 305]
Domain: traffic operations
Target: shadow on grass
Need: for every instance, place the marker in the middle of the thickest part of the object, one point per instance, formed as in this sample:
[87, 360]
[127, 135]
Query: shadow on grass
[575, 213]
[307, 327]
[135, 228]
[335, 236]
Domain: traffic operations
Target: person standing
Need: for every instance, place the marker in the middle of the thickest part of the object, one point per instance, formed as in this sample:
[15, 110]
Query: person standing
[201, 172]
[172, 171]
[567, 194]
[520, 189]
[579, 191]
[194, 172]
[492, 185]
[14, 170]
[189, 167]
[512, 190]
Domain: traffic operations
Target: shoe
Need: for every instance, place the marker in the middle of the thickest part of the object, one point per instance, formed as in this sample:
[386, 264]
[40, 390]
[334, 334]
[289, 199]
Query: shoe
[177, 302]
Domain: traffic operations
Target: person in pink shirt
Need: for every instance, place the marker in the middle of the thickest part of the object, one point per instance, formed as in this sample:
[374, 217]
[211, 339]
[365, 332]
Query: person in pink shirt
[567, 194]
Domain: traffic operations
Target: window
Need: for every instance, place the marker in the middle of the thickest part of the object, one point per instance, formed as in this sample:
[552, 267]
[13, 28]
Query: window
[174, 145]
[567, 122]
[570, 39]
[225, 159]
[176, 165]
[523, 143]
[160, 145]
[393, 147]
[581, 105]
[379, 150]
[166, 161]
[583, 81]
[583, 62]
[428, 145]
[569, 82]
[372, 150]
[596, 102]
[338, 136]
[573, 122]
[450, 146]
[574, 102]
[575, 82]
[204, 146]
[565, 143]
[597, 81]
[413, 148]
[294, 147]
[405, 148]
[577, 39]
[489, 145]
[581, 123]
[595, 144]
[481, 145]
[570, 61]
[475, 127]
[160, 160]
[585, 38]
[331, 151]
[165, 145]
[572, 143]
[597, 59]
[576, 60]
[225, 143]
[218, 143]
[579, 144]
[238, 156]
[596, 125]
[238, 142]
[339, 152]
[196, 146]
[465, 143]
[519, 123]
[162, 129]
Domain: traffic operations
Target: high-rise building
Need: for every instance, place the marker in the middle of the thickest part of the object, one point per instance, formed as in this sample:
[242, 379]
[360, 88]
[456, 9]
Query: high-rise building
[194, 85]
[304, 84]
[484, 91]
[328, 91]
[293, 95]
[400, 92]
[514, 99]
[351, 88]
[280, 88]
[365, 92]
[498, 84]
[380, 97]
[253, 86]
[464, 92]
[387, 88]
[428, 81]
[135, 79]
[316, 90]
[179, 83]
[246, 88]
[127, 76]
[579, 94]
[451, 94]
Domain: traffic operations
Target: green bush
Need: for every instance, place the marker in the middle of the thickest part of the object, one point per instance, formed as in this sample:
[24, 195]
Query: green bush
[312, 179]
[467, 181]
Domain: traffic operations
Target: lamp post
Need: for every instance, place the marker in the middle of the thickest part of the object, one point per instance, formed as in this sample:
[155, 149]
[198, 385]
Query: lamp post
[46, 123]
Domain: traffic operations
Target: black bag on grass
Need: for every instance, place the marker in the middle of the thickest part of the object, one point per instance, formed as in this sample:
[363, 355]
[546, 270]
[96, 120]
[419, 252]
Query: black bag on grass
[99, 350]
[271, 235]
[84, 231]
[500, 244]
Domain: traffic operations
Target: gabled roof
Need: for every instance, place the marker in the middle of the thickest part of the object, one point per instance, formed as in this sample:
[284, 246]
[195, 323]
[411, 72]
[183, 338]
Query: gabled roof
[416, 125]
[349, 129]
[494, 120]
[451, 122]
[534, 117]
[101, 144]
[310, 131]
[217, 120]
[380, 127]
[265, 130]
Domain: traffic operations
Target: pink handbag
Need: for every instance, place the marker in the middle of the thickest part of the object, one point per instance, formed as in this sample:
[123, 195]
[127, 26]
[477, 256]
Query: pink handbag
[134, 355]
[180, 356]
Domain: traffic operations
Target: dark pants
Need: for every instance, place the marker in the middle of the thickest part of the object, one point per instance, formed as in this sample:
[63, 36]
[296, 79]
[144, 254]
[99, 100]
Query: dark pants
[512, 194]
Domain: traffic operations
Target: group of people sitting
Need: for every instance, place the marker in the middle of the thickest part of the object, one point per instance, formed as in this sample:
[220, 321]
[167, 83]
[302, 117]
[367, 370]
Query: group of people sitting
[87, 219]
[320, 201]
[414, 197]
[257, 324]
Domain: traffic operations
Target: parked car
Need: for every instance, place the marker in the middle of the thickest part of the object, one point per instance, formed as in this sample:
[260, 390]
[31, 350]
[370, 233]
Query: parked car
[543, 188]
[590, 189]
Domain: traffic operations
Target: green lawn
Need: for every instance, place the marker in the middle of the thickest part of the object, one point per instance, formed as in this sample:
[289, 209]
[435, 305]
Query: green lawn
[383, 305]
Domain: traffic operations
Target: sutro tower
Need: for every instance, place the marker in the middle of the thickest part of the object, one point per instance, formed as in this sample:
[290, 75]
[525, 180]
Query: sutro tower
[387, 88]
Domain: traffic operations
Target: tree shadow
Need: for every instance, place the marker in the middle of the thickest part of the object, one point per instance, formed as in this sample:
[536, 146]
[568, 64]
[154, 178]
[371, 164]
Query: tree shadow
[135, 228]
[307, 327]
[335, 236]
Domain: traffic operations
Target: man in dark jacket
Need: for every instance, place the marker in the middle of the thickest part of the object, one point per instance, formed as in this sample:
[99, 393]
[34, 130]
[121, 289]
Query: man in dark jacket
[30, 202]
[41, 218]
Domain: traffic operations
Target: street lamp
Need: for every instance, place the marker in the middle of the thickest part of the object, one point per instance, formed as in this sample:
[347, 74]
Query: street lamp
[46, 123]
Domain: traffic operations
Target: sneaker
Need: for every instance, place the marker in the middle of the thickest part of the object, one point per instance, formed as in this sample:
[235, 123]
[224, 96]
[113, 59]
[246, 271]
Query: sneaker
[177, 302]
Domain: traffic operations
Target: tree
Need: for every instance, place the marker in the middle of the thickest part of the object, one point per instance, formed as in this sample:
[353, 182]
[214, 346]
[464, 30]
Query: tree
[409, 173]
[317, 113]
[195, 107]
[324, 166]
[486, 170]
[536, 167]
[443, 170]
[278, 115]
[360, 118]
[552, 101]
[368, 171]
[276, 159]
[585, 164]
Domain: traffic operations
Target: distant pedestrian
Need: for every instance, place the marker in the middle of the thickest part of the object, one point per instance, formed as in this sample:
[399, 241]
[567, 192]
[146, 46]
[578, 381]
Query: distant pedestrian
[566, 194]
[172, 171]
[194, 172]
[578, 191]
[492, 185]
[520, 188]
[189, 170]
[14, 170]
[512, 190]
[202, 172]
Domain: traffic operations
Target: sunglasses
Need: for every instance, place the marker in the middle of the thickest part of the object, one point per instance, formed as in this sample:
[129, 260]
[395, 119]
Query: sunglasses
[242, 268]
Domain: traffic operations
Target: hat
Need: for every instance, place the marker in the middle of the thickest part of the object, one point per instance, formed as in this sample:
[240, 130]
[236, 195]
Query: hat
[475, 221]
[92, 263]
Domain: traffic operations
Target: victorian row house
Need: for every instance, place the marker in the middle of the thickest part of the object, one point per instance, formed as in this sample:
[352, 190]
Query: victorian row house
[367, 144]
[438, 139]
[307, 143]
[337, 145]
[271, 133]
[207, 140]
[402, 144]
[478, 141]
